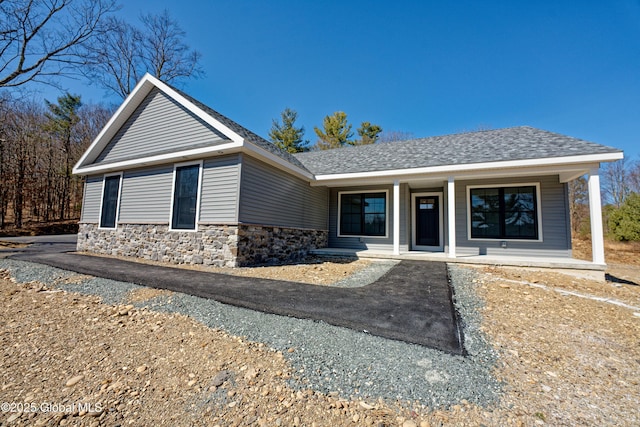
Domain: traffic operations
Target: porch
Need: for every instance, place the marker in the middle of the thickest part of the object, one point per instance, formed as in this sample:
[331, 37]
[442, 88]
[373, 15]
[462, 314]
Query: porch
[451, 231]
[566, 265]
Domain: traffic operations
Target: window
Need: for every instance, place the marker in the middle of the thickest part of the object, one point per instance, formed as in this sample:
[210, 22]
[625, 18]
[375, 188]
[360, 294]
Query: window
[185, 197]
[109, 210]
[504, 213]
[363, 214]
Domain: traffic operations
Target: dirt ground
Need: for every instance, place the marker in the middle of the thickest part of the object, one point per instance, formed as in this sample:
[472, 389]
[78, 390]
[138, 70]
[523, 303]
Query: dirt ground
[569, 354]
[11, 245]
[622, 258]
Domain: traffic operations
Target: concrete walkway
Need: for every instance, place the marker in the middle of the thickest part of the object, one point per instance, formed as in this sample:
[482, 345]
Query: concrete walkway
[411, 303]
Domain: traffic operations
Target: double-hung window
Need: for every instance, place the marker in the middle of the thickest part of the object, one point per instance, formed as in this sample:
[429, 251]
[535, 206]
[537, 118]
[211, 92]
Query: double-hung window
[504, 212]
[110, 196]
[185, 197]
[363, 214]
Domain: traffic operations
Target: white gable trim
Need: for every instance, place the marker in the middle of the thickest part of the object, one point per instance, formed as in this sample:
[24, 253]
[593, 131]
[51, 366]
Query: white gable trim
[122, 114]
[196, 110]
[139, 93]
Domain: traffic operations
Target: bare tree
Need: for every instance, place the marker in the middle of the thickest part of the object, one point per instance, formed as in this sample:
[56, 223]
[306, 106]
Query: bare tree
[37, 149]
[23, 130]
[579, 205]
[164, 49]
[634, 177]
[4, 169]
[395, 135]
[615, 182]
[40, 39]
[125, 53]
[115, 60]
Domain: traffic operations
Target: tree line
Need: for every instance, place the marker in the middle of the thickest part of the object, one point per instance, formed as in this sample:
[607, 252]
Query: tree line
[42, 42]
[39, 144]
[621, 200]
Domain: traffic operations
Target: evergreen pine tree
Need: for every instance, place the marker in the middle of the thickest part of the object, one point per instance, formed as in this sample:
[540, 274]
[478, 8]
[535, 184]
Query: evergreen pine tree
[368, 133]
[335, 132]
[286, 135]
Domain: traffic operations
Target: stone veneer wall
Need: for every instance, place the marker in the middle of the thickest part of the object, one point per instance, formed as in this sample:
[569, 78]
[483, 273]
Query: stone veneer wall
[219, 245]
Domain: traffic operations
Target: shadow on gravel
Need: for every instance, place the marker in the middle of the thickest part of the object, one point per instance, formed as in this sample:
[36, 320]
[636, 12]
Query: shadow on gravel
[411, 302]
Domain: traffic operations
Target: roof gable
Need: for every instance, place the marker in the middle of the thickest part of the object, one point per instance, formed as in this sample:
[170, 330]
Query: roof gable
[153, 101]
[159, 125]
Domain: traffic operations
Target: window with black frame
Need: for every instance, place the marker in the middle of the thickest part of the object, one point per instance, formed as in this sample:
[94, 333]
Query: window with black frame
[363, 214]
[504, 213]
[185, 197]
[110, 194]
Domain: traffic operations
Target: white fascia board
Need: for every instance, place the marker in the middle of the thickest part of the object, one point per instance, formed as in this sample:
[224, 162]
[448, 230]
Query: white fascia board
[225, 130]
[469, 167]
[179, 156]
[276, 161]
[135, 98]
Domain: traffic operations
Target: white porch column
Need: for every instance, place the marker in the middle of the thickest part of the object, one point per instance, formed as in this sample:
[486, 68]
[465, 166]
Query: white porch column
[451, 216]
[396, 217]
[595, 214]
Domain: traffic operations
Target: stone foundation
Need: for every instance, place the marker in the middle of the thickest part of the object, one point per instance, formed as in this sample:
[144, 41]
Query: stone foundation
[218, 245]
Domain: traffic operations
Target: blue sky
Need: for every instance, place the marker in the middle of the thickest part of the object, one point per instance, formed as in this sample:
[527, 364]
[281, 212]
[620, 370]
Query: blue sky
[425, 67]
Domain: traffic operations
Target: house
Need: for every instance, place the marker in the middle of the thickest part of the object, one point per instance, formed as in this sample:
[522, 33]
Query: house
[170, 179]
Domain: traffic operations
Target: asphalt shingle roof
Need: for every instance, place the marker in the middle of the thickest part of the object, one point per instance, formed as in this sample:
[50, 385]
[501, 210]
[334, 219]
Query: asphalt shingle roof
[515, 143]
[244, 132]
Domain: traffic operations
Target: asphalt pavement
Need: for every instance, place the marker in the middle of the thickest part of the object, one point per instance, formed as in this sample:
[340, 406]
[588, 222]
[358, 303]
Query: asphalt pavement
[411, 302]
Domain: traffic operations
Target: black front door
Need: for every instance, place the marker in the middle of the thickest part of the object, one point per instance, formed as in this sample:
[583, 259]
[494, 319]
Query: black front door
[427, 220]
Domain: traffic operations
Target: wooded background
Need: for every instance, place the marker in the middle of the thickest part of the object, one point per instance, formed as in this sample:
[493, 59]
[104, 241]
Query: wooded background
[40, 141]
[39, 144]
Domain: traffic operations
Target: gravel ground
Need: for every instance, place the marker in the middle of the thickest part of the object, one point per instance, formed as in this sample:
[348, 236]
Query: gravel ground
[372, 272]
[339, 361]
[564, 349]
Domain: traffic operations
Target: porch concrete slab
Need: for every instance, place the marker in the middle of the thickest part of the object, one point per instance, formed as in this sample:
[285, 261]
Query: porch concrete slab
[500, 260]
[411, 302]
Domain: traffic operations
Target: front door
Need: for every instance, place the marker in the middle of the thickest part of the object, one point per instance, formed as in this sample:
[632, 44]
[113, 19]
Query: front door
[426, 220]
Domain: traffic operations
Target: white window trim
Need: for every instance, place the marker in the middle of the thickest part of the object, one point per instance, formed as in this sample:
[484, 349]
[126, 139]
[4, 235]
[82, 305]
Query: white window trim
[522, 184]
[198, 195]
[440, 247]
[104, 180]
[386, 213]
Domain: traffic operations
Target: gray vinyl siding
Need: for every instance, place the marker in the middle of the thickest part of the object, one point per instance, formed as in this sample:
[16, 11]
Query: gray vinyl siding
[91, 200]
[270, 196]
[219, 197]
[159, 125]
[146, 196]
[555, 225]
[372, 243]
